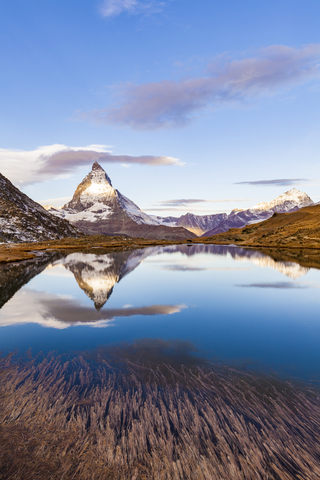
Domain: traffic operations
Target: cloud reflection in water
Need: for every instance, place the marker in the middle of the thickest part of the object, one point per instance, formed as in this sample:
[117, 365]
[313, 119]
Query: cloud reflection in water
[58, 311]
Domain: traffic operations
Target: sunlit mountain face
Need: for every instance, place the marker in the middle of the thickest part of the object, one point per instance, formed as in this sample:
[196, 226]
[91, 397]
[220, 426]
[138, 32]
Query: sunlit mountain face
[98, 208]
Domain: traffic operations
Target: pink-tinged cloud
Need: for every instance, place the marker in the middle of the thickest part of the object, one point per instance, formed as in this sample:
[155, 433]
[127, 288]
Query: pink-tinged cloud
[67, 160]
[26, 167]
[173, 104]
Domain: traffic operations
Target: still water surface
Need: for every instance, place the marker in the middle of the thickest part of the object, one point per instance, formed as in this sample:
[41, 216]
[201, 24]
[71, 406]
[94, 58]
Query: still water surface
[234, 306]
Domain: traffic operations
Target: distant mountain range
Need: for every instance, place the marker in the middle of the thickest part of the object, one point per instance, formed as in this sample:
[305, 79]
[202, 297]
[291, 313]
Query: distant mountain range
[96, 207]
[297, 230]
[207, 225]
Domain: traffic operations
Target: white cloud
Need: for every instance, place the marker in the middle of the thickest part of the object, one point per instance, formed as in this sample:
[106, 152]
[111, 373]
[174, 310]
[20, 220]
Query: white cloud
[24, 167]
[115, 7]
[112, 8]
[183, 202]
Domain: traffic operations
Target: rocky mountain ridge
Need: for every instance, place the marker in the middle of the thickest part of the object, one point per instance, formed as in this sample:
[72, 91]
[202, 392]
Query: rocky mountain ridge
[98, 208]
[208, 225]
[23, 220]
[297, 229]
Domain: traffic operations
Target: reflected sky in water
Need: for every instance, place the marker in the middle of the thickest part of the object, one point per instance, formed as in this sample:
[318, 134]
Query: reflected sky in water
[236, 306]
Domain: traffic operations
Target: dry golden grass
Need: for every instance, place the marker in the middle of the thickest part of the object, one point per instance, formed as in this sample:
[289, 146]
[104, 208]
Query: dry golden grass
[83, 419]
[300, 229]
[99, 244]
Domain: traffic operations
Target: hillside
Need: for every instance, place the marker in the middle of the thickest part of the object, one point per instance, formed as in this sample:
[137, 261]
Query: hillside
[296, 229]
[23, 220]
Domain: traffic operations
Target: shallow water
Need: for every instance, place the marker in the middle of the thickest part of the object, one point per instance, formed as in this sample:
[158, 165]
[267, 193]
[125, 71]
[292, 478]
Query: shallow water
[226, 304]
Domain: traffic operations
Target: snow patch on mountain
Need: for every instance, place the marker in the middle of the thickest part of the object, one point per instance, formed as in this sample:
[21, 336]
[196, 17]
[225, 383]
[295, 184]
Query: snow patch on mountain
[96, 212]
[293, 198]
[205, 225]
[134, 212]
[96, 200]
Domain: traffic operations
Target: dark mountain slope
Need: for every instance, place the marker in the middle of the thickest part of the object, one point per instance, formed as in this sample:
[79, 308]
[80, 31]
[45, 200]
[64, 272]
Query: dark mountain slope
[23, 220]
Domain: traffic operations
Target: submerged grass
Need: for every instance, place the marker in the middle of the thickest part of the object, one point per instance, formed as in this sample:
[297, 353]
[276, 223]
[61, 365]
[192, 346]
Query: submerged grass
[82, 418]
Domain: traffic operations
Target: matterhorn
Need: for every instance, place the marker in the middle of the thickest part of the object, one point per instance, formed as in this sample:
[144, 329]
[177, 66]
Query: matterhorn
[98, 208]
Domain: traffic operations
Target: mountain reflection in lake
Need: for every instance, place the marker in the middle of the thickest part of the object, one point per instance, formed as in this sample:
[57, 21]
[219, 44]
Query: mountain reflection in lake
[189, 380]
[188, 293]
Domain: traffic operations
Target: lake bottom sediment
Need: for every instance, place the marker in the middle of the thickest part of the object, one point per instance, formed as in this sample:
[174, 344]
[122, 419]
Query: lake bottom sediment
[119, 415]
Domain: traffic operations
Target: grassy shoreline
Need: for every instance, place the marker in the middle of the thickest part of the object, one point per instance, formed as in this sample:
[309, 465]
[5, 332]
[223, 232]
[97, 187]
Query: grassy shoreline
[11, 252]
[14, 252]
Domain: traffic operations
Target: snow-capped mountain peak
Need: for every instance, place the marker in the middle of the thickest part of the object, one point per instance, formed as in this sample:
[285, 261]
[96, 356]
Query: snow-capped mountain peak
[98, 175]
[293, 198]
[97, 207]
[96, 187]
[95, 199]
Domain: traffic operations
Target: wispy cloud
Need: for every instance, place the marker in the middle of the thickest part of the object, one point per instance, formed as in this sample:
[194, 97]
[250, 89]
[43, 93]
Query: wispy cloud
[180, 210]
[183, 202]
[183, 268]
[283, 182]
[169, 103]
[281, 285]
[112, 8]
[24, 167]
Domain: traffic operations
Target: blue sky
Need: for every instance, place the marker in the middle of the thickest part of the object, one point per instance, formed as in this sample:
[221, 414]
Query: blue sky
[176, 99]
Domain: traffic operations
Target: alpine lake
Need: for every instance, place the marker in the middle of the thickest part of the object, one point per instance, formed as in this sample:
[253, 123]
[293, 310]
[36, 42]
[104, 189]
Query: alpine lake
[183, 361]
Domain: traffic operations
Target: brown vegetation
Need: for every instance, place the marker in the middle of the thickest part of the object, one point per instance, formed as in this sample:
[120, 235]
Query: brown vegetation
[83, 419]
[296, 230]
[300, 229]
[99, 244]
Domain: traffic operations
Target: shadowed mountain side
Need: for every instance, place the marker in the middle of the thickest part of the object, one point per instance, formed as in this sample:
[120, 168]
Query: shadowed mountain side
[23, 220]
[297, 229]
[14, 275]
[119, 224]
[199, 224]
[56, 311]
